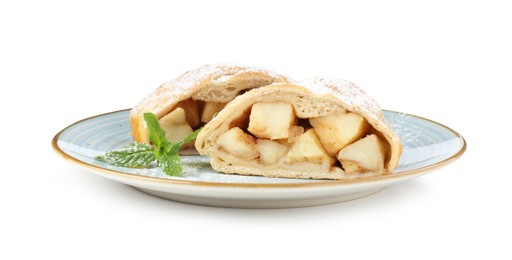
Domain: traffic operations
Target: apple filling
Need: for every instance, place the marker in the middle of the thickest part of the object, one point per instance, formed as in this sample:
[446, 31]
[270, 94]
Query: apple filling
[275, 136]
[187, 116]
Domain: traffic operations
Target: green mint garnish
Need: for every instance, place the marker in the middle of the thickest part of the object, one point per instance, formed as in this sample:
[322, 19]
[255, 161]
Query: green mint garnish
[161, 150]
[155, 132]
[170, 163]
[132, 155]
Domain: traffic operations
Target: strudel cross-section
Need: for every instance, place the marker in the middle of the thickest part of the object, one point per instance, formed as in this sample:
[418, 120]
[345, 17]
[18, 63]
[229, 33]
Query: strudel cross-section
[323, 128]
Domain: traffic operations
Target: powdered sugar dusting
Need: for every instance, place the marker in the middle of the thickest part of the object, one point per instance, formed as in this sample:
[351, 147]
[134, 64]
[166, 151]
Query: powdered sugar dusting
[347, 92]
[183, 85]
[406, 128]
[187, 84]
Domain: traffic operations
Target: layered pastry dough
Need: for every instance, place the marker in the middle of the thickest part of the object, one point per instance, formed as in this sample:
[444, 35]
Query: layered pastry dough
[193, 99]
[323, 128]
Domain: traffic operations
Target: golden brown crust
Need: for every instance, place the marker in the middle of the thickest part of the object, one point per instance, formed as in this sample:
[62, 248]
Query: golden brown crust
[313, 98]
[211, 83]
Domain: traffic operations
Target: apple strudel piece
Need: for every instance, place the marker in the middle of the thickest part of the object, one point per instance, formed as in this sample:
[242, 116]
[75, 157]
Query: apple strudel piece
[190, 101]
[323, 128]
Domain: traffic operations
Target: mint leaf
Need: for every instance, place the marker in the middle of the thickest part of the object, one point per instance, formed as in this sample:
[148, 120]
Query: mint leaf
[132, 155]
[170, 163]
[155, 132]
[191, 137]
[168, 157]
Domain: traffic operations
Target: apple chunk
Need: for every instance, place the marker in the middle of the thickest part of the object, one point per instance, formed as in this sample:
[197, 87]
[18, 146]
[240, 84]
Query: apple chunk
[308, 149]
[270, 151]
[339, 129]
[236, 142]
[210, 109]
[294, 133]
[191, 111]
[175, 125]
[364, 155]
[271, 120]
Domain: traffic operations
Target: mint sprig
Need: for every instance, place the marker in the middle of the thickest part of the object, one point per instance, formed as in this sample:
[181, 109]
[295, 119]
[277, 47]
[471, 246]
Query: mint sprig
[141, 155]
[155, 132]
[166, 153]
[132, 155]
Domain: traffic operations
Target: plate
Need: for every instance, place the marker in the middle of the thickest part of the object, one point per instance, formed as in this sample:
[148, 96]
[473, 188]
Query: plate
[427, 146]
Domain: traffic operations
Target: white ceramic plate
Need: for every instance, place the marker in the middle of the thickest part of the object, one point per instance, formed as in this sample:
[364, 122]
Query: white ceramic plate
[427, 145]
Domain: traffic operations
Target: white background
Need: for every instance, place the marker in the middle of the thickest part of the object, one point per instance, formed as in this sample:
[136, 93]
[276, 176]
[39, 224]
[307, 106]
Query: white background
[61, 61]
